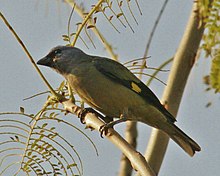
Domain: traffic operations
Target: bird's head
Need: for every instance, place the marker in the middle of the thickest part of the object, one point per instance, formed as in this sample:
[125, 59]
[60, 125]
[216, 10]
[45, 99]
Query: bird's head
[63, 58]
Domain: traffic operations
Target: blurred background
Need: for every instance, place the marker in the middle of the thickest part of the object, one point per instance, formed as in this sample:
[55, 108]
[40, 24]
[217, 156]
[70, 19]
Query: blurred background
[41, 24]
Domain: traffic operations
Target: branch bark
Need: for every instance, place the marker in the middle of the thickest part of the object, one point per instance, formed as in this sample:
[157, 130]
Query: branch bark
[180, 70]
[131, 134]
[138, 162]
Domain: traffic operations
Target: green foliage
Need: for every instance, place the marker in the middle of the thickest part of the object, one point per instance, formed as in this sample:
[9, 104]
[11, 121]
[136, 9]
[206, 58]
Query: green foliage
[210, 15]
[215, 72]
[112, 11]
[36, 145]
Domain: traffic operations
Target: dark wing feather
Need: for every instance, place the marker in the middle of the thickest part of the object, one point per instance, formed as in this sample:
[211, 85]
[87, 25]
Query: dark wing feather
[111, 69]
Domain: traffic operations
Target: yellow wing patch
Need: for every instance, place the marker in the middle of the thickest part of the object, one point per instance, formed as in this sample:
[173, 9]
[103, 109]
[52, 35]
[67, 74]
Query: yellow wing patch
[135, 87]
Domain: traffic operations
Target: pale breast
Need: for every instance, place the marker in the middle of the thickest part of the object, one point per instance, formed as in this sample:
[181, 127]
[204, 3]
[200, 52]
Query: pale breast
[103, 94]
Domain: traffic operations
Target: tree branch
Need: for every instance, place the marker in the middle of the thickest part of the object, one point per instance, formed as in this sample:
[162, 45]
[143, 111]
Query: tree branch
[137, 160]
[131, 134]
[180, 70]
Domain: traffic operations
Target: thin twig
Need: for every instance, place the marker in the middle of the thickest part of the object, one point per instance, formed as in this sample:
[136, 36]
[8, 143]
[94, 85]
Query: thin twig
[89, 37]
[106, 44]
[138, 67]
[154, 28]
[129, 7]
[119, 5]
[85, 21]
[110, 21]
[151, 76]
[69, 21]
[134, 60]
[157, 71]
[115, 14]
[28, 54]
[138, 6]
[35, 95]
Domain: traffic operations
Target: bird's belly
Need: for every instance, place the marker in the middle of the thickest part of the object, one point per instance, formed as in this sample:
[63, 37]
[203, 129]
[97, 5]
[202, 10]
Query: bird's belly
[108, 97]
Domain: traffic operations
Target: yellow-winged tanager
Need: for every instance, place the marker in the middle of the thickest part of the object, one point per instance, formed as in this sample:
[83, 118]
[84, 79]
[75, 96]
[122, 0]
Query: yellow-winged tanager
[112, 89]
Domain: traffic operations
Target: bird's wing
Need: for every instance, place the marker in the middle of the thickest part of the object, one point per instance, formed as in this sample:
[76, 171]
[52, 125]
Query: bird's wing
[121, 75]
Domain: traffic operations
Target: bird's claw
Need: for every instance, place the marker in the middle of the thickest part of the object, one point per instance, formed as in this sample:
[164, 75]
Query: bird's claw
[104, 129]
[83, 113]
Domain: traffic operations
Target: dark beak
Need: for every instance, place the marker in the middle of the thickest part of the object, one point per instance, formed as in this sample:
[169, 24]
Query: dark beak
[46, 61]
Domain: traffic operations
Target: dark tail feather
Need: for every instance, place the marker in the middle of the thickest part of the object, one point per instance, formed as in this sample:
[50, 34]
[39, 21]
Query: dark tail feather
[184, 141]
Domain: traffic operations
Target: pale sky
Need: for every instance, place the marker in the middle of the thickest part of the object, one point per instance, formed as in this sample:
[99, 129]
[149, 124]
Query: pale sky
[41, 25]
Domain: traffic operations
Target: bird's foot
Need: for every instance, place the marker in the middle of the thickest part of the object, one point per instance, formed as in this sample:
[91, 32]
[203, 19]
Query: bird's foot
[83, 113]
[107, 119]
[104, 128]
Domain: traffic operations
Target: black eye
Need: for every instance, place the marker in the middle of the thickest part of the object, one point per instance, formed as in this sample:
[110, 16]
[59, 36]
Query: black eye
[54, 53]
[58, 51]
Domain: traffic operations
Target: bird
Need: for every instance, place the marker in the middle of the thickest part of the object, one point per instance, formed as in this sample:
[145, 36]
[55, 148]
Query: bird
[112, 89]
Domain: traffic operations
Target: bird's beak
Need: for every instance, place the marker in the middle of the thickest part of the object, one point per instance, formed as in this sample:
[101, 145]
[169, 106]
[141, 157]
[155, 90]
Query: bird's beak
[46, 61]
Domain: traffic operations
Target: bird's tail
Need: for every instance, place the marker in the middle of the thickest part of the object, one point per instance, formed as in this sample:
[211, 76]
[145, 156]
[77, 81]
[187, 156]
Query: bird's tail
[184, 141]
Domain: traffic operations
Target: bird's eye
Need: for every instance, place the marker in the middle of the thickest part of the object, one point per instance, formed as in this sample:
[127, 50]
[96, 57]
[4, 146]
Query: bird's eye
[56, 52]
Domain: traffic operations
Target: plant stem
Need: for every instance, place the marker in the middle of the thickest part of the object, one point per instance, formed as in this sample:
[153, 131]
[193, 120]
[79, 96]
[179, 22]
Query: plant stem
[180, 70]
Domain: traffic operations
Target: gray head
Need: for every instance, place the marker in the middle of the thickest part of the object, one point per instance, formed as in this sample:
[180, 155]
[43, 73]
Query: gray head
[63, 58]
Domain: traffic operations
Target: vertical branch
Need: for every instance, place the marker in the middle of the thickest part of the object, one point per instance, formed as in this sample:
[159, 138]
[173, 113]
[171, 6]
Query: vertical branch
[180, 70]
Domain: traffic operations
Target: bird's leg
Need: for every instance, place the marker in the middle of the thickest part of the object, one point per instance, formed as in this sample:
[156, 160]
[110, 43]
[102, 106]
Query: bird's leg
[104, 128]
[83, 113]
[107, 119]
